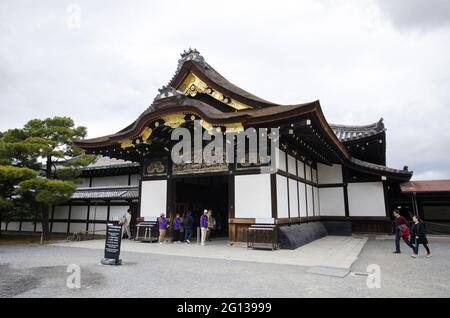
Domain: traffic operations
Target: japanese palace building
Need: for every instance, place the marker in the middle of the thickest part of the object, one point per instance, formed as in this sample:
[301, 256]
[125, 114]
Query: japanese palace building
[323, 172]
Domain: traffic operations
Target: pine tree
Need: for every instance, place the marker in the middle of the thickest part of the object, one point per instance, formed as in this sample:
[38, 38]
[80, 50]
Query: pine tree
[47, 148]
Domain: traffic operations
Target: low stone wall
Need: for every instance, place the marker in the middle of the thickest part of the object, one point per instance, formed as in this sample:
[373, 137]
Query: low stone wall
[338, 228]
[296, 235]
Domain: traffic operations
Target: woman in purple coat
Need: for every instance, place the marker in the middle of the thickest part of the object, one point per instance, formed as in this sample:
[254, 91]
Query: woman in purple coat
[176, 226]
[204, 226]
[162, 222]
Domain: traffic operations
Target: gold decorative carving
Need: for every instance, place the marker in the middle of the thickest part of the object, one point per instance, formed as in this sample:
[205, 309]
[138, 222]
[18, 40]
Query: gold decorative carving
[174, 120]
[126, 143]
[206, 125]
[145, 133]
[192, 85]
[155, 168]
[234, 128]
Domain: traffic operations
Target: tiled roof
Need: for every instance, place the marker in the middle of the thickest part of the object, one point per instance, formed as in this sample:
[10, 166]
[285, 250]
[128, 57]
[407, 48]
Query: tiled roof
[380, 168]
[426, 186]
[106, 162]
[350, 133]
[120, 192]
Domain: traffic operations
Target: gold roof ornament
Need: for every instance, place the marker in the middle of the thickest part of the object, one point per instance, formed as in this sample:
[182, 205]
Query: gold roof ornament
[234, 128]
[174, 120]
[126, 143]
[192, 85]
[145, 134]
[206, 125]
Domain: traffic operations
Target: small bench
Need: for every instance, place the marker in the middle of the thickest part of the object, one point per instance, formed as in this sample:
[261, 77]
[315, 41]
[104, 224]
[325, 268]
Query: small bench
[262, 237]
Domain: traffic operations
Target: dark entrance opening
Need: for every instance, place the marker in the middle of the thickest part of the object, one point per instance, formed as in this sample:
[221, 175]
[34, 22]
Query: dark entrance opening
[200, 193]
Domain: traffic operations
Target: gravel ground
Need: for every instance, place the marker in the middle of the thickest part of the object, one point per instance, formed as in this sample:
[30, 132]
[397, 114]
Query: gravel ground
[40, 271]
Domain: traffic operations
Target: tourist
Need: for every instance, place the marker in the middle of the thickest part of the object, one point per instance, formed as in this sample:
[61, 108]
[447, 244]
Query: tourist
[210, 225]
[176, 226]
[182, 227]
[204, 226]
[162, 228]
[401, 231]
[418, 232]
[125, 220]
[188, 223]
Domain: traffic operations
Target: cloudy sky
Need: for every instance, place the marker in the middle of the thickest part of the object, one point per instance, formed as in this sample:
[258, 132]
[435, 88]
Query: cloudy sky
[101, 62]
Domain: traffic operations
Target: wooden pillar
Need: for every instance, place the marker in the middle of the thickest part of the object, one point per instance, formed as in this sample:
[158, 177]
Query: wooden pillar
[273, 190]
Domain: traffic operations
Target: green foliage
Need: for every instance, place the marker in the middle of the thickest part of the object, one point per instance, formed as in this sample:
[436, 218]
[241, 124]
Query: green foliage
[39, 164]
[12, 204]
[10, 177]
[47, 191]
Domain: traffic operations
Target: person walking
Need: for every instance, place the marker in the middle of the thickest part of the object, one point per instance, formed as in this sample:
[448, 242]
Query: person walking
[125, 220]
[162, 222]
[210, 225]
[418, 232]
[176, 226]
[204, 226]
[188, 223]
[401, 231]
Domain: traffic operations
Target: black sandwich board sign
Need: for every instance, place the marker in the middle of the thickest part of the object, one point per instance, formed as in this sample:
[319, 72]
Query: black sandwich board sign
[112, 245]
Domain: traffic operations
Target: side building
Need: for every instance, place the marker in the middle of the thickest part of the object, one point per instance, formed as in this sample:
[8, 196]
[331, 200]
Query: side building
[108, 187]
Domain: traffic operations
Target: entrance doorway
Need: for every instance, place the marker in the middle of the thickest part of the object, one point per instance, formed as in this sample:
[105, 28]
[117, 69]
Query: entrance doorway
[199, 193]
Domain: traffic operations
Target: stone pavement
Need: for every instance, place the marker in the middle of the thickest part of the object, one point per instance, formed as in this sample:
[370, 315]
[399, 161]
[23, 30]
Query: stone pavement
[329, 251]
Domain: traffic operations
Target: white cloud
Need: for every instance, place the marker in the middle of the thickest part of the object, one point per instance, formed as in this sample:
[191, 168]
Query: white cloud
[350, 56]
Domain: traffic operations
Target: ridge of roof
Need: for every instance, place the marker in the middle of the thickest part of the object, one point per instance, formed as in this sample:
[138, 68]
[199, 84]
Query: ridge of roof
[193, 56]
[354, 132]
[405, 172]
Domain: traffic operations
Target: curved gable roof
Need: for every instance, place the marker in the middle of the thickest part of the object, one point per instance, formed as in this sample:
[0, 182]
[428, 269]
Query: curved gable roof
[192, 61]
[170, 101]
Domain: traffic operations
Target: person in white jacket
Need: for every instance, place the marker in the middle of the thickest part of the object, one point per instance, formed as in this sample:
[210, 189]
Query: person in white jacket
[126, 219]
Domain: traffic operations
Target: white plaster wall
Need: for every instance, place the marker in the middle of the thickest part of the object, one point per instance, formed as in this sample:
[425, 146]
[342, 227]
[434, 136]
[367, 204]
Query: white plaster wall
[316, 202]
[61, 212]
[78, 212]
[314, 175]
[99, 228]
[301, 169]
[293, 198]
[329, 174]
[13, 226]
[153, 198]
[292, 169]
[110, 181]
[84, 183]
[77, 227]
[302, 197]
[310, 200]
[27, 227]
[59, 227]
[331, 201]
[308, 173]
[101, 213]
[39, 227]
[253, 196]
[282, 197]
[366, 199]
[281, 160]
[3, 226]
[117, 211]
[134, 180]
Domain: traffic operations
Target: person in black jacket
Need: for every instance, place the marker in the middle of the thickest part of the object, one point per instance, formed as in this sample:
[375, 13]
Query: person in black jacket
[188, 223]
[418, 232]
